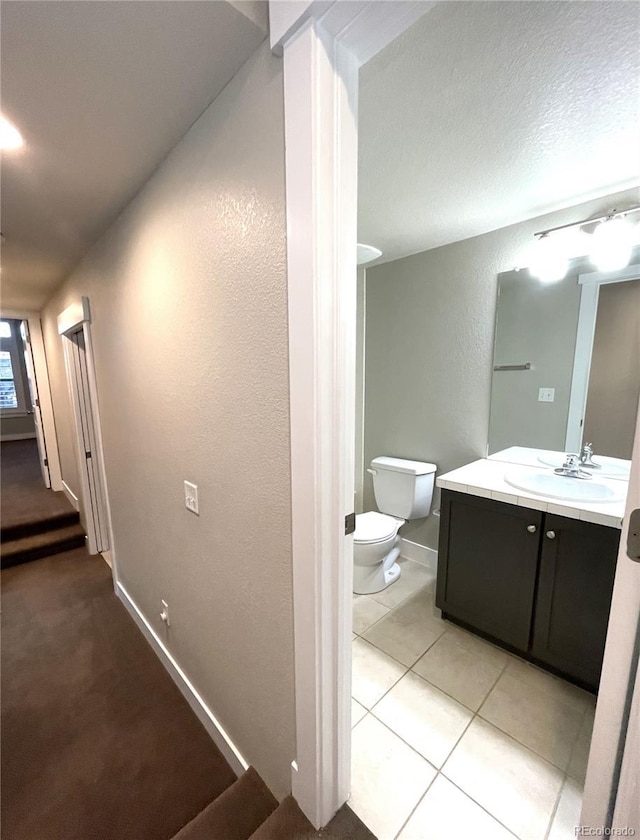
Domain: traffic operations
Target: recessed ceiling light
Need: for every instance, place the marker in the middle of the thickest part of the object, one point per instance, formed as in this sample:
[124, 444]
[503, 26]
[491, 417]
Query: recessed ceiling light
[10, 137]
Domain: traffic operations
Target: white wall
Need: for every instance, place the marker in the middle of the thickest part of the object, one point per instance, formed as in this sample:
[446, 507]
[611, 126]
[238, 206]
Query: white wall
[188, 296]
[429, 348]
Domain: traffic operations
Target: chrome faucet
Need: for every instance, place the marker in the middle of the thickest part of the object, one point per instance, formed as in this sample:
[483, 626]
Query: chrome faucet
[586, 457]
[571, 468]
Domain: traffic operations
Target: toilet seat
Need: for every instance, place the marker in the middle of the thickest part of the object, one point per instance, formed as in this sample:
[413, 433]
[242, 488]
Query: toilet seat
[373, 527]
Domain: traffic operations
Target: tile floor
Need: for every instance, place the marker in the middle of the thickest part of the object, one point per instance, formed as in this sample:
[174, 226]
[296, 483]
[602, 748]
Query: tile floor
[453, 737]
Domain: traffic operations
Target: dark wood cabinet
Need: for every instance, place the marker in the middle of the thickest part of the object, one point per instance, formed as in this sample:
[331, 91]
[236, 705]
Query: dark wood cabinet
[490, 579]
[537, 583]
[577, 567]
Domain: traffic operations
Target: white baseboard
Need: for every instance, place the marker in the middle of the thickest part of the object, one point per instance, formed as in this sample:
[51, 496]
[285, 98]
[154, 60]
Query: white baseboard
[203, 712]
[419, 553]
[68, 492]
[21, 436]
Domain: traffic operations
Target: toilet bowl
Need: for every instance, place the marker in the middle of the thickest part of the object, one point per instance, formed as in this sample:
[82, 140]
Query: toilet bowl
[376, 547]
[403, 490]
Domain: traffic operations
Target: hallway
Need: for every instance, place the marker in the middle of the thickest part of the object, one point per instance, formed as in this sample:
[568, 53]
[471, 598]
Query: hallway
[97, 741]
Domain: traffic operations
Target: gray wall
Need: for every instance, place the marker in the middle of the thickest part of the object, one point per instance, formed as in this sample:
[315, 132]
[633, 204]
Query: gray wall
[429, 348]
[188, 294]
[614, 380]
[14, 426]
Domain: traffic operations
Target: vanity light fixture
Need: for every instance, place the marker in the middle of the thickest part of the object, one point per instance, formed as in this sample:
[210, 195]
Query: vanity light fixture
[607, 240]
[10, 137]
[613, 241]
[549, 261]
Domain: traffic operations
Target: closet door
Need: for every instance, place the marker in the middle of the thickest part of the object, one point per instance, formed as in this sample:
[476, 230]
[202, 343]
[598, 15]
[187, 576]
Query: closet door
[94, 506]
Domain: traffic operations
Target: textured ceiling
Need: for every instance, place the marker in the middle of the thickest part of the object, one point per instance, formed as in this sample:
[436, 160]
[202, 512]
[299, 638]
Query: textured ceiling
[484, 114]
[101, 92]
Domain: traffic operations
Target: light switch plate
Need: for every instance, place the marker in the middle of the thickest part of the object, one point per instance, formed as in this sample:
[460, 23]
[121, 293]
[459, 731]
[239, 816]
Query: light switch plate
[191, 497]
[546, 394]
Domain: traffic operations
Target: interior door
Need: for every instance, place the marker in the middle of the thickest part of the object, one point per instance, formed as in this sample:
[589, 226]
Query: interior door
[94, 503]
[35, 403]
[612, 778]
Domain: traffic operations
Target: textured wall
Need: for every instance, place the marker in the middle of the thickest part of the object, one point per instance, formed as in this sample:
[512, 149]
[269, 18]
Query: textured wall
[189, 303]
[429, 348]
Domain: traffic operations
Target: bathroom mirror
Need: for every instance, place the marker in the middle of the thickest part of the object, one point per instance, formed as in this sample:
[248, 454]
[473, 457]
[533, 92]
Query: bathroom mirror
[566, 367]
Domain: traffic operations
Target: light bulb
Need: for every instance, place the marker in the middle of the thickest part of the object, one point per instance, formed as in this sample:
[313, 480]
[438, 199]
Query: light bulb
[549, 261]
[10, 137]
[611, 245]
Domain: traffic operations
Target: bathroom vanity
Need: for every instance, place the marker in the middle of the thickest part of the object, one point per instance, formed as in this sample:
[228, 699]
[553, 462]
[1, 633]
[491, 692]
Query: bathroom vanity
[532, 574]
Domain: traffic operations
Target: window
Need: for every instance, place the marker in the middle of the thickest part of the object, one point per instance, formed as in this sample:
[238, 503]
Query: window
[8, 397]
[12, 370]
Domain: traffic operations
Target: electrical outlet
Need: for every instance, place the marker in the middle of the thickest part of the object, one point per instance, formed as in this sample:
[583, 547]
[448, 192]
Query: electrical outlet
[546, 394]
[191, 497]
[164, 615]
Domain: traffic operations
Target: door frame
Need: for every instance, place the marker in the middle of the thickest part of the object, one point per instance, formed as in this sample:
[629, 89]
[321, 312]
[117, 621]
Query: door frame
[589, 295]
[77, 318]
[44, 390]
[323, 44]
[613, 724]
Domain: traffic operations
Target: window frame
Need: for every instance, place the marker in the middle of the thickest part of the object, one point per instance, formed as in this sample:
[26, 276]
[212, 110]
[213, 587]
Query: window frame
[15, 347]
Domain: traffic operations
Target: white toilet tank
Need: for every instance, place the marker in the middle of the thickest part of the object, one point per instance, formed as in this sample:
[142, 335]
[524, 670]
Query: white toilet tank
[403, 488]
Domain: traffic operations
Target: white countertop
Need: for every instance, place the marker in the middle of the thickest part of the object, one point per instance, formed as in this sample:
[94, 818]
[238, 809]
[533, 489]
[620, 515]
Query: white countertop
[485, 478]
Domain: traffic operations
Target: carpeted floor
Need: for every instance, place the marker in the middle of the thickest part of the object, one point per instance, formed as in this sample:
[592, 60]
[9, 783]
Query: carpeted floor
[97, 741]
[25, 499]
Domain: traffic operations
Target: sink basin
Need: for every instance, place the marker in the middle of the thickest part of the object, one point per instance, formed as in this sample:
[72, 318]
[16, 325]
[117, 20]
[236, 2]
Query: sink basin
[609, 467]
[567, 489]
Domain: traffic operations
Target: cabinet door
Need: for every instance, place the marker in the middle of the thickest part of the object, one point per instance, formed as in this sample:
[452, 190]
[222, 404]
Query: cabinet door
[578, 563]
[487, 565]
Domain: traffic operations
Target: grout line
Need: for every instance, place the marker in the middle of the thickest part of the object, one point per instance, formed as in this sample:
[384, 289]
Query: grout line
[468, 795]
[415, 808]
[555, 808]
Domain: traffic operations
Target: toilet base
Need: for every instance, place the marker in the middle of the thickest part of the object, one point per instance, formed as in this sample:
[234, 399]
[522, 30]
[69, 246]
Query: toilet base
[370, 579]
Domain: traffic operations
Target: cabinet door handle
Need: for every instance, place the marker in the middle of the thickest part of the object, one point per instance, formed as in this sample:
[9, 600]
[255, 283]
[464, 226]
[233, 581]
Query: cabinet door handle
[531, 529]
[551, 535]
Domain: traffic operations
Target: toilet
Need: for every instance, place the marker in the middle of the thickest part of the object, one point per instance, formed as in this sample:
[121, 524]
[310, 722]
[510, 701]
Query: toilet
[403, 490]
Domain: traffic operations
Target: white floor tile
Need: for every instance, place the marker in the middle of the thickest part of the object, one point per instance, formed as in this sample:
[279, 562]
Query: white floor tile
[408, 630]
[446, 812]
[466, 676]
[516, 786]
[414, 576]
[577, 768]
[387, 778]
[427, 719]
[567, 816]
[474, 644]
[545, 722]
[373, 673]
[366, 612]
[554, 686]
[357, 712]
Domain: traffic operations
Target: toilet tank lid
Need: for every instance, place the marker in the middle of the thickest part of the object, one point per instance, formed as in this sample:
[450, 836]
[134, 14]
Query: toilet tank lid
[403, 465]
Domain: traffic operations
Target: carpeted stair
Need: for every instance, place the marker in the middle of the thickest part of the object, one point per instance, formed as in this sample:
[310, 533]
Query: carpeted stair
[248, 811]
[34, 522]
[41, 539]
